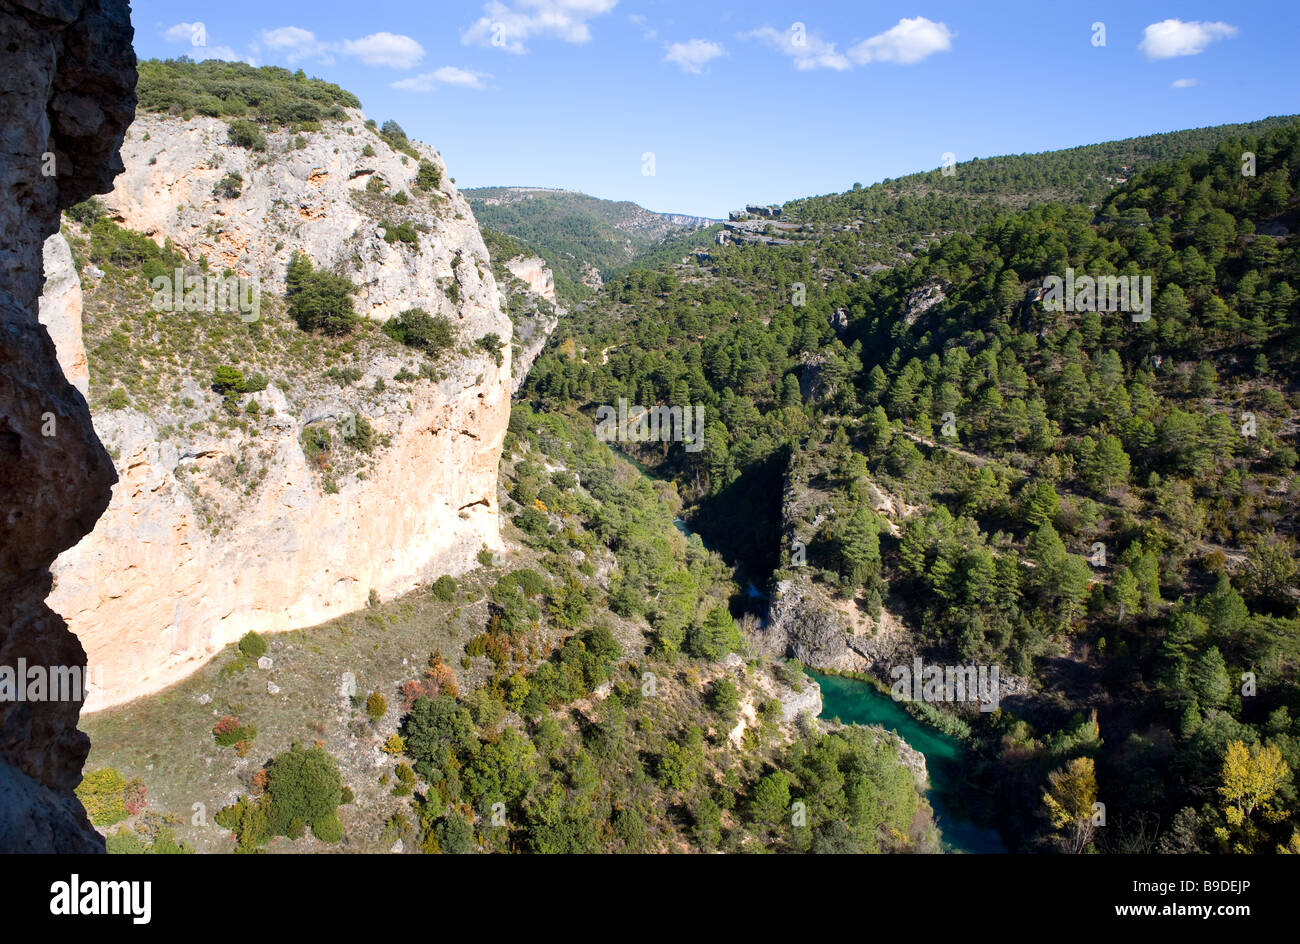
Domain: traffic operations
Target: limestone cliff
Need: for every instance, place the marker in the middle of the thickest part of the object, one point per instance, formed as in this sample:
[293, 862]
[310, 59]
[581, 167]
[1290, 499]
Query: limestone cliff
[528, 293]
[220, 526]
[67, 79]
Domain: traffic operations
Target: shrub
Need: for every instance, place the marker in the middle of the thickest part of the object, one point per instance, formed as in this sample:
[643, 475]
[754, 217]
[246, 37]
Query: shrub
[101, 793]
[492, 344]
[248, 819]
[134, 795]
[428, 176]
[343, 376]
[227, 380]
[529, 581]
[228, 732]
[400, 198]
[367, 151]
[111, 245]
[87, 212]
[328, 829]
[376, 706]
[395, 745]
[444, 589]
[247, 134]
[319, 300]
[252, 646]
[362, 435]
[304, 787]
[532, 521]
[416, 328]
[400, 232]
[117, 399]
[405, 779]
[724, 697]
[231, 185]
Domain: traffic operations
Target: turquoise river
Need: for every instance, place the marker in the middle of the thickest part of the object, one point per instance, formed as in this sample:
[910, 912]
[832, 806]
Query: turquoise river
[861, 703]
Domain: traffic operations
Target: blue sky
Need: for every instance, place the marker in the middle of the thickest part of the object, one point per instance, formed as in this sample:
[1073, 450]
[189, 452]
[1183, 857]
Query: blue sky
[755, 101]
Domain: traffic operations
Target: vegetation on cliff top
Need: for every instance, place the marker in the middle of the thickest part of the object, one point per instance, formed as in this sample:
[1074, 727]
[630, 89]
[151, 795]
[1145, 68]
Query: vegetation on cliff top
[237, 90]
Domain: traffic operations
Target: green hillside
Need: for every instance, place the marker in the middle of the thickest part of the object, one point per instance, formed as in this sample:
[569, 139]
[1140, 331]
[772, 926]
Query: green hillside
[1103, 504]
[574, 232]
[897, 215]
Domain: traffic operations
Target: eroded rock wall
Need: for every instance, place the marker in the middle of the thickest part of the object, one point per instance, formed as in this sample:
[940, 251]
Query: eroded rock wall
[187, 558]
[67, 80]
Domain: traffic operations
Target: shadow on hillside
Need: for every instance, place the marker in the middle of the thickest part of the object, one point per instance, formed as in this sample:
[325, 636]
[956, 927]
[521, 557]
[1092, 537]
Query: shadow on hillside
[743, 521]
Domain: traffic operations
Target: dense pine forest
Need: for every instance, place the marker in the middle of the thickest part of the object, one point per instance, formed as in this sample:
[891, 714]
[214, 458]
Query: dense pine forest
[1099, 501]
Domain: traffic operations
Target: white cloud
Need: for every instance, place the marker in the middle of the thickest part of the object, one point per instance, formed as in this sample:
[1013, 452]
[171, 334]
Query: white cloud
[507, 27]
[907, 42]
[385, 49]
[294, 43]
[195, 35]
[1182, 83]
[185, 32]
[1170, 38]
[378, 49]
[447, 75]
[639, 21]
[807, 50]
[693, 55]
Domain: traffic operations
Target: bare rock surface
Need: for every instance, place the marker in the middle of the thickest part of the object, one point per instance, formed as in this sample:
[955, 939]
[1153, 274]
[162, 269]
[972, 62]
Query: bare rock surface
[189, 558]
[66, 96]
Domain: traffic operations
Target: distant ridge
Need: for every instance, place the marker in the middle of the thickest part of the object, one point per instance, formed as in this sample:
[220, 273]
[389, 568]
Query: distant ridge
[583, 238]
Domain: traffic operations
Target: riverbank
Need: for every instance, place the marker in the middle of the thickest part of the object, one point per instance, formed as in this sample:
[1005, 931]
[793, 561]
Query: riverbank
[856, 701]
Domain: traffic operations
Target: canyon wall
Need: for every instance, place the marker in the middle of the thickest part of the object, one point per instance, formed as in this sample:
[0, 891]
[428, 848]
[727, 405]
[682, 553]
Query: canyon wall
[215, 529]
[535, 310]
[67, 80]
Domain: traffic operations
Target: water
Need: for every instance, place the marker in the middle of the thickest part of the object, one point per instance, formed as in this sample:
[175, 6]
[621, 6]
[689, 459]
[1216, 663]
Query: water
[861, 703]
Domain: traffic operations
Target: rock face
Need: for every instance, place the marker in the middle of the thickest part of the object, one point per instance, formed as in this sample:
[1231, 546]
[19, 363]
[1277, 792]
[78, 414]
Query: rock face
[534, 273]
[803, 625]
[529, 294]
[163, 582]
[808, 701]
[66, 97]
[60, 312]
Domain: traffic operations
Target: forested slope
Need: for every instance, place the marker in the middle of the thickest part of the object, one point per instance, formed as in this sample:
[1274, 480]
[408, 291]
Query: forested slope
[1104, 504]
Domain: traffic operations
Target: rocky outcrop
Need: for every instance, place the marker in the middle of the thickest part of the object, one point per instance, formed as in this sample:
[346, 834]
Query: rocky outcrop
[528, 293]
[806, 701]
[66, 96]
[60, 312]
[921, 300]
[534, 273]
[219, 529]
